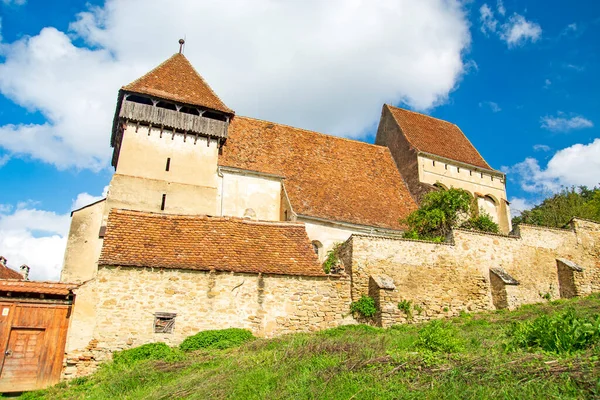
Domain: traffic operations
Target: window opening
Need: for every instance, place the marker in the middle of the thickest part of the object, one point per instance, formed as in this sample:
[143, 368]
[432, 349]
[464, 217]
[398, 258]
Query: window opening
[164, 322]
[162, 204]
[168, 164]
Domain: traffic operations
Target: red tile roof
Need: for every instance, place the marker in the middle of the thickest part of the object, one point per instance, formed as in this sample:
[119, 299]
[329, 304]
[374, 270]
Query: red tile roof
[8, 273]
[325, 176]
[37, 287]
[177, 80]
[435, 136]
[204, 243]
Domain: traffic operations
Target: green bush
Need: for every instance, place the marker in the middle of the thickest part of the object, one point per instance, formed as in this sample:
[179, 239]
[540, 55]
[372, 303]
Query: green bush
[150, 351]
[365, 306]
[438, 336]
[560, 333]
[332, 258]
[216, 339]
[483, 222]
[406, 307]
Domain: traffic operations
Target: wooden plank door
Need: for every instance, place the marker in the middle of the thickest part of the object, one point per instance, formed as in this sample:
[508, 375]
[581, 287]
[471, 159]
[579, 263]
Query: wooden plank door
[32, 343]
[22, 358]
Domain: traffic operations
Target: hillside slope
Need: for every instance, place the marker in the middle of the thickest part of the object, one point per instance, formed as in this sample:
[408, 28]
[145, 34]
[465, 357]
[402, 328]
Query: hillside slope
[471, 356]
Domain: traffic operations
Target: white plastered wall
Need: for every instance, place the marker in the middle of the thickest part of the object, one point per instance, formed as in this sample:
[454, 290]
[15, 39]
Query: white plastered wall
[239, 191]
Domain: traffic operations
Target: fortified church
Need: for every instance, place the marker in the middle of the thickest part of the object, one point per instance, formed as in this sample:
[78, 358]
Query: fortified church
[214, 220]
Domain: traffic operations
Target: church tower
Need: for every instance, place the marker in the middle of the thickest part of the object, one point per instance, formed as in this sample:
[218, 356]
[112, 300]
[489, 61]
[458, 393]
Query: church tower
[168, 129]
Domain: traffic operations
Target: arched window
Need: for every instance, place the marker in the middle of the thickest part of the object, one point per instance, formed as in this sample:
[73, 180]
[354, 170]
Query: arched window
[489, 205]
[317, 246]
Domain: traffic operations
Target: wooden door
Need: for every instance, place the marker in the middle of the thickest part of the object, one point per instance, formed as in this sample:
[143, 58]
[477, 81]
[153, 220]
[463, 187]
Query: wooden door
[32, 342]
[22, 357]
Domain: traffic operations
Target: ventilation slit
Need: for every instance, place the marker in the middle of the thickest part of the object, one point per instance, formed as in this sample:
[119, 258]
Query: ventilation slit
[162, 204]
[168, 164]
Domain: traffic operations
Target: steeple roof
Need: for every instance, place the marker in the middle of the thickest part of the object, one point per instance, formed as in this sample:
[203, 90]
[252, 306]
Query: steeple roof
[177, 80]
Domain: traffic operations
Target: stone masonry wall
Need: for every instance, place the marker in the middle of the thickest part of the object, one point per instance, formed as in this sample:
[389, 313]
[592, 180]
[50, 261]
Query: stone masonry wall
[445, 279]
[126, 299]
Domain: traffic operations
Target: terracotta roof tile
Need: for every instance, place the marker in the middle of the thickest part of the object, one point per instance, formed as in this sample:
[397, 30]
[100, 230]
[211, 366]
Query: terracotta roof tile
[325, 176]
[37, 287]
[177, 80]
[8, 273]
[435, 136]
[143, 239]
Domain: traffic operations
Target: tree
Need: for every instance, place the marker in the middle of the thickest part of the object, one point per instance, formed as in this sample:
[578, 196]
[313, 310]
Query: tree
[557, 210]
[442, 210]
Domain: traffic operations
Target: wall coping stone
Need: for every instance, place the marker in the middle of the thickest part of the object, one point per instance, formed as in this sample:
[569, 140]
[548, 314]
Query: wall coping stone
[384, 282]
[509, 236]
[504, 276]
[570, 264]
[545, 228]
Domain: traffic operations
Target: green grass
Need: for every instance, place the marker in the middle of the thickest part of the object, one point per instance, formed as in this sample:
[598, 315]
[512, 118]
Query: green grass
[468, 357]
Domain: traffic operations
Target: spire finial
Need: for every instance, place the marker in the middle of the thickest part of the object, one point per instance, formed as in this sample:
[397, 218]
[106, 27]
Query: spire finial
[181, 43]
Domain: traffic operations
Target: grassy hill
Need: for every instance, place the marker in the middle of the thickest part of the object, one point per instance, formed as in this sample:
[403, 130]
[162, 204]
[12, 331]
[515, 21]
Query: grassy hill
[544, 351]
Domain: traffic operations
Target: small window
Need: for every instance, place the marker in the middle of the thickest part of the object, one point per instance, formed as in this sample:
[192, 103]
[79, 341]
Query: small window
[434, 163]
[168, 164]
[457, 169]
[470, 173]
[492, 178]
[162, 204]
[164, 322]
[285, 215]
[445, 166]
[481, 176]
[317, 246]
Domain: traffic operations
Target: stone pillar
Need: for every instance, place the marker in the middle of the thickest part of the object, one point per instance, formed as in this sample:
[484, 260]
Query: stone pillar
[503, 289]
[569, 278]
[383, 290]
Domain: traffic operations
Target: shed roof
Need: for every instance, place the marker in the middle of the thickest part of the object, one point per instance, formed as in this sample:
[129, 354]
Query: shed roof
[326, 176]
[142, 239]
[21, 286]
[436, 136]
[176, 79]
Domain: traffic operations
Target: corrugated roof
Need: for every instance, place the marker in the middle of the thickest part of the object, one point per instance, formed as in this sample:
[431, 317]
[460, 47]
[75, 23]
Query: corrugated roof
[435, 136]
[325, 176]
[204, 243]
[37, 287]
[177, 80]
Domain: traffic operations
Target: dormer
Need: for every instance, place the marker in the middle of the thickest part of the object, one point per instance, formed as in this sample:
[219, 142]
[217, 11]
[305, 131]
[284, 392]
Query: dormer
[172, 97]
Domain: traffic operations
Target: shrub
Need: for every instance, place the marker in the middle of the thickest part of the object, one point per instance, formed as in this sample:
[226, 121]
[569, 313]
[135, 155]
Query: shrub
[438, 336]
[332, 258]
[561, 333]
[150, 351]
[483, 222]
[216, 339]
[365, 306]
[406, 307]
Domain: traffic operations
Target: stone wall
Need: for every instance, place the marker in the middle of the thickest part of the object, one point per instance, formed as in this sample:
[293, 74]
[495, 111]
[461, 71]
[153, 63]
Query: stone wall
[445, 279]
[116, 310]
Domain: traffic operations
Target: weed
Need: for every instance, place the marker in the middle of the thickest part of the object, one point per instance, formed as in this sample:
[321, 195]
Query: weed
[406, 307]
[332, 259]
[216, 339]
[364, 306]
[150, 351]
[438, 336]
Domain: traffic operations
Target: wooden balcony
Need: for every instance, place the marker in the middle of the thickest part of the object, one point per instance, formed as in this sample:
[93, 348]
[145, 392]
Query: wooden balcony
[171, 119]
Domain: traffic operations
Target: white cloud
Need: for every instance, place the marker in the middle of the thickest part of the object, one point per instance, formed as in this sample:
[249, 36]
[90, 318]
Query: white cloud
[541, 147]
[14, 2]
[36, 237]
[571, 28]
[492, 106]
[500, 7]
[518, 205]
[517, 31]
[547, 83]
[327, 66]
[84, 199]
[573, 166]
[562, 123]
[4, 159]
[489, 23]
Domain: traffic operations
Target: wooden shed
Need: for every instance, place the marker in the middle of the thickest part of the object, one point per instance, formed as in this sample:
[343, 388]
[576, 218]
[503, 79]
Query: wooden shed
[34, 318]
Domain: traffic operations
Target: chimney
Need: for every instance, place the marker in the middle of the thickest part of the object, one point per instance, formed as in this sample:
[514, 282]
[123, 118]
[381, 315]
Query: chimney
[25, 271]
[3, 261]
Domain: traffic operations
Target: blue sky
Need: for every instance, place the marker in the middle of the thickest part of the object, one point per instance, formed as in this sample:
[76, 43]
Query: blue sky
[520, 78]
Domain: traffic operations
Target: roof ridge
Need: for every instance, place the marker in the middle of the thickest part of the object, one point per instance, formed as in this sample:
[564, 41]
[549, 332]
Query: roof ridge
[423, 114]
[206, 216]
[311, 131]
